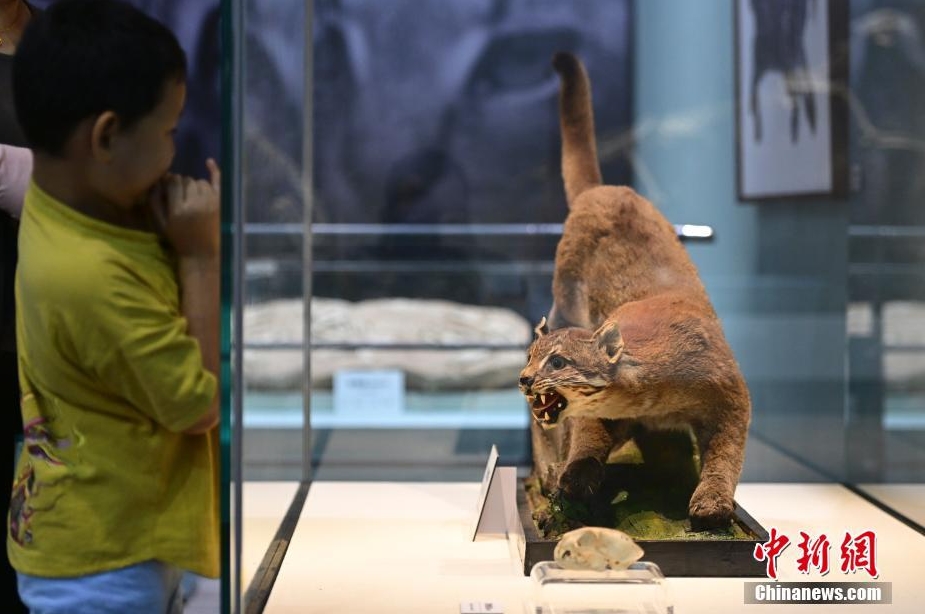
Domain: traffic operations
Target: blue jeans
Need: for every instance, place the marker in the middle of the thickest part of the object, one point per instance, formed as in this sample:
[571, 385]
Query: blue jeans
[151, 587]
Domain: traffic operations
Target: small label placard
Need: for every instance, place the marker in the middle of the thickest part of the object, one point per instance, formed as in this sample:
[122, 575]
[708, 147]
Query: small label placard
[481, 607]
[496, 498]
[483, 491]
[369, 390]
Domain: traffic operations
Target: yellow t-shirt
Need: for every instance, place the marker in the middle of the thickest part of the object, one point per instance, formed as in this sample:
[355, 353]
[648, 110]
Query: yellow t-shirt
[110, 378]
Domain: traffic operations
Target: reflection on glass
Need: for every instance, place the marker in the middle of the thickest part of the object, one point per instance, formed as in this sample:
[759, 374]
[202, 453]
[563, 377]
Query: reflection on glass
[887, 255]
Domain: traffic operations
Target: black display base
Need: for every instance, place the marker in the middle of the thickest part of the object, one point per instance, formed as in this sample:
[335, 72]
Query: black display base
[675, 557]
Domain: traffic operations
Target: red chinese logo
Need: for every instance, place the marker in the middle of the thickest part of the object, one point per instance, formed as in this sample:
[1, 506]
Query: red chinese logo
[815, 554]
[771, 550]
[860, 552]
[857, 553]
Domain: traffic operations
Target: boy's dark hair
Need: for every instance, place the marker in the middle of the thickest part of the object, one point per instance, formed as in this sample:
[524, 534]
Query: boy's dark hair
[83, 57]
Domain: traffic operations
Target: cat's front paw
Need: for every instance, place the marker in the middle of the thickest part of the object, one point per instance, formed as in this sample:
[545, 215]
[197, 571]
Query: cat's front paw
[582, 479]
[710, 508]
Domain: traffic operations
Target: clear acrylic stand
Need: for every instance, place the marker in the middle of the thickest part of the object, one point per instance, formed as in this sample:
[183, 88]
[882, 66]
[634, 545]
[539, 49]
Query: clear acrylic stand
[640, 589]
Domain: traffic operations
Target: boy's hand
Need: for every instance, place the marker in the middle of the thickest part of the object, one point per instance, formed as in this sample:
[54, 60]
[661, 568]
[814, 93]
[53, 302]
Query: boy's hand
[186, 212]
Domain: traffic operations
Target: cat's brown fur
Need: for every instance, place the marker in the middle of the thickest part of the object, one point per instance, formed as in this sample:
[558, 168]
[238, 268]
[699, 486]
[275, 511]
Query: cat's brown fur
[635, 341]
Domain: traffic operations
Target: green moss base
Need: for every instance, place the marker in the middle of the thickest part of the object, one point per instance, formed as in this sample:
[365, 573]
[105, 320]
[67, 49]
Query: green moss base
[646, 500]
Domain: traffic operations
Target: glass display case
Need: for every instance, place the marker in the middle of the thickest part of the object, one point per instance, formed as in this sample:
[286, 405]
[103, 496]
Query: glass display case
[413, 223]
[397, 249]
[639, 589]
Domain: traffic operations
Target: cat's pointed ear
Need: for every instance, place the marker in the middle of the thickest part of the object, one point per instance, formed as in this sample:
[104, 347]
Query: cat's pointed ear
[609, 340]
[541, 328]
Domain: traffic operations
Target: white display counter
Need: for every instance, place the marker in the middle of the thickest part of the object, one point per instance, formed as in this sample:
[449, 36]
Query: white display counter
[374, 547]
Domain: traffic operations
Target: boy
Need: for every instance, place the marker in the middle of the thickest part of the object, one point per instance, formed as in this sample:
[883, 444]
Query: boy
[117, 294]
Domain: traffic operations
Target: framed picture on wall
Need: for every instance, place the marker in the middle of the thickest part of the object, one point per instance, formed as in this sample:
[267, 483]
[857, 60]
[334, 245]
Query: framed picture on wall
[791, 107]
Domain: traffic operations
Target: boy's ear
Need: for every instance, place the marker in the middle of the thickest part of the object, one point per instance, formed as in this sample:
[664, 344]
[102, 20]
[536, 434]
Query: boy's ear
[102, 132]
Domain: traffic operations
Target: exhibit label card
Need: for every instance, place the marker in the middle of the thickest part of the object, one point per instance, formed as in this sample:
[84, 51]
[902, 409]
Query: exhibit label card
[380, 392]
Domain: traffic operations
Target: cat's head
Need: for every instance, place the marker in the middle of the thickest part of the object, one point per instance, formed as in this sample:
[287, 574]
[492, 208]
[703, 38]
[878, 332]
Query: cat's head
[567, 368]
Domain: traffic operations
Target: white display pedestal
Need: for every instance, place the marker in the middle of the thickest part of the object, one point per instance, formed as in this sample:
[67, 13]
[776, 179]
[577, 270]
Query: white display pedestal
[374, 547]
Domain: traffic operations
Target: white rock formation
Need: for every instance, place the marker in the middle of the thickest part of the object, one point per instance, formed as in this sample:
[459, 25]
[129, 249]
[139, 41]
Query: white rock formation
[386, 321]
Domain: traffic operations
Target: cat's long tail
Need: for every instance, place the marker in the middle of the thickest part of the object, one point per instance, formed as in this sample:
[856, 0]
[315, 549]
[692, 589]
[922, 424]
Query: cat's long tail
[580, 167]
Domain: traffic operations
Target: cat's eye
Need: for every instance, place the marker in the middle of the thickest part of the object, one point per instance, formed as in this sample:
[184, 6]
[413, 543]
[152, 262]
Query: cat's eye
[556, 362]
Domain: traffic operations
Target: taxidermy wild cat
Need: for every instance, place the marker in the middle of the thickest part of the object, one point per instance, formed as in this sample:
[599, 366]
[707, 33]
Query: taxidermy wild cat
[633, 344]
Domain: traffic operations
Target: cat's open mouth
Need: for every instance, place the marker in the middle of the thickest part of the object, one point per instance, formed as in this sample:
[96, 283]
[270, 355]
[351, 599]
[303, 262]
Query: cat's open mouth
[547, 406]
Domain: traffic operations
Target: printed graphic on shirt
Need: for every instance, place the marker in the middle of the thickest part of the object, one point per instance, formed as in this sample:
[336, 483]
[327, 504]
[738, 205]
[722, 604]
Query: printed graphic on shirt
[40, 469]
